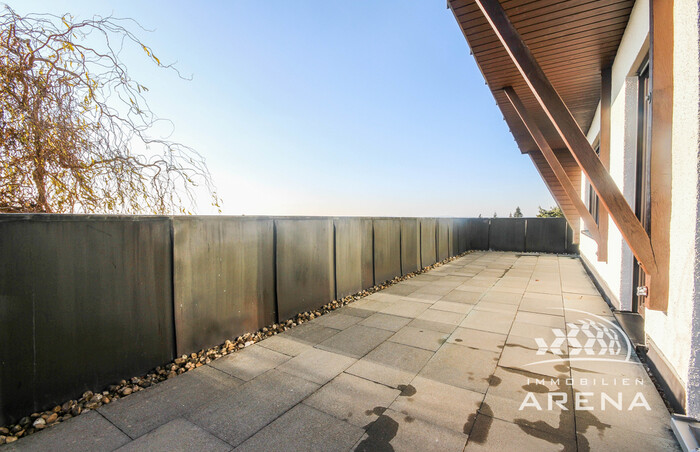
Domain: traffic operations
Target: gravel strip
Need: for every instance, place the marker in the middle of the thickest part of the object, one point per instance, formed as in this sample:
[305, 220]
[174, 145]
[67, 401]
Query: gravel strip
[89, 401]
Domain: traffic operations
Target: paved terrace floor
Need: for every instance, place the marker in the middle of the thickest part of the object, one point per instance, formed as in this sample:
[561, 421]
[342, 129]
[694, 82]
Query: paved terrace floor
[442, 361]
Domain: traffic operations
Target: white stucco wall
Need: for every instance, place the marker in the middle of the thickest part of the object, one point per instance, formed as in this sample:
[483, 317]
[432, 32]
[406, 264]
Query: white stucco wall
[617, 270]
[677, 331]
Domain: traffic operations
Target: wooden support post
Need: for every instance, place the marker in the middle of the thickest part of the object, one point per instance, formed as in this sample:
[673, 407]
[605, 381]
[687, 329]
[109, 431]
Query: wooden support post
[604, 155]
[661, 69]
[565, 124]
[553, 162]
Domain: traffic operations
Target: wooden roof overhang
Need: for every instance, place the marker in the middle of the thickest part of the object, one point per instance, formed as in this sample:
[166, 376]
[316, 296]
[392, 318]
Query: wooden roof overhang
[573, 41]
[545, 62]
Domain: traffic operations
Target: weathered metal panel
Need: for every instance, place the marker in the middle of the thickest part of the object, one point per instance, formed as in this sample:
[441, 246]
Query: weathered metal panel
[546, 235]
[353, 255]
[410, 245]
[428, 241]
[478, 233]
[84, 302]
[453, 239]
[367, 252]
[224, 279]
[305, 268]
[387, 249]
[507, 234]
[462, 233]
[443, 238]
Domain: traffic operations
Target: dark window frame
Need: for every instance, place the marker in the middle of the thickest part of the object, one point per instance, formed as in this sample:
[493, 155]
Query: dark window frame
[592, 200]
[642, 187]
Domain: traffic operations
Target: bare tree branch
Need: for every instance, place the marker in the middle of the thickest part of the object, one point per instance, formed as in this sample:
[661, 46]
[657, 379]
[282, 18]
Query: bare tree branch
[72, 121]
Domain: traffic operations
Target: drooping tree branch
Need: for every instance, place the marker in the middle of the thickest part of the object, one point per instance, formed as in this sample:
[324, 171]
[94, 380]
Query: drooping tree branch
[75, 128]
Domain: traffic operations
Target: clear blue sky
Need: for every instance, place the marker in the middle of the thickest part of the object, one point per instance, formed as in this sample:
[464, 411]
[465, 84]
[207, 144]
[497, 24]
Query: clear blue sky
[329, 108]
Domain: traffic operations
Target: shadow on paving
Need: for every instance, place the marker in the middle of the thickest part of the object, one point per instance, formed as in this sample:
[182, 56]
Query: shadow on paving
[465, 357]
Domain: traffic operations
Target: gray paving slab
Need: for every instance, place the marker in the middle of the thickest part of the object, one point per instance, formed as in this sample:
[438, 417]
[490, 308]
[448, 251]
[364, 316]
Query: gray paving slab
[391, 364]
[146, 410]
[319, 366]
[310, 333]
[489, 434]
[494, 322]
[544, 417]
[462, 367]
[530, 342]
[406, 308]
[451, 306]
[451, 319]
[516, 356]
[463, 296]
[433, 326]
[513, 289]
[400, 432]
[482, 340]
[416, 282]
[532, 330]
[542, 306]
[373, 304]
[452, 277]
[627, 401]
[540, 286]
[353, 399]
[250, 362]
[87, 432]
[589, 304]
[539, 318]
[304, 428]
[497, 296]
[337, 320]
[357, 311]
[177, 435]
[355, 341]
[437, 289]
[385, 321]
[401, 289]
[448, 406]
[619, 439]
[285, 343]
[427, 277]
[497, 307]
[236, 416]
[424, 297]
[419, 338]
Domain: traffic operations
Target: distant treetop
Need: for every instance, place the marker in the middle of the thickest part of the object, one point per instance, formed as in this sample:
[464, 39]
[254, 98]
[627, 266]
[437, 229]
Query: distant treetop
[551, 213]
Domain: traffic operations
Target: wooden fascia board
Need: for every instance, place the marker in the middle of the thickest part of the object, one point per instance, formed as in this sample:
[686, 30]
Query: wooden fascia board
[570, 132]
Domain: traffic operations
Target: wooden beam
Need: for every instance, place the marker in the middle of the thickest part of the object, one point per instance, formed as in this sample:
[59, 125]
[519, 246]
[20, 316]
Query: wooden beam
[574, 139]
[553, 162]
[661, 70]
[605, 130]
[555, 190]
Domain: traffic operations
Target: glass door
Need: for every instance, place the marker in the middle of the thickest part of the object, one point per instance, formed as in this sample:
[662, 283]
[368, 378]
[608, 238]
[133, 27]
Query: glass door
[643, 187]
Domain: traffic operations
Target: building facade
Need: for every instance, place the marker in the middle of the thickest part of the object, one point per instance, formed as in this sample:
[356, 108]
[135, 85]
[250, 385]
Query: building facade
[604, 98]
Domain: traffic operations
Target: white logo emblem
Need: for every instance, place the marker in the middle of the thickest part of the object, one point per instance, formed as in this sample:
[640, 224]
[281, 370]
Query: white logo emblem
[592, 339]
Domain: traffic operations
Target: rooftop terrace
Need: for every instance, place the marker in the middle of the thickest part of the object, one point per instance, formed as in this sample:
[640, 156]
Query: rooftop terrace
[464, 357]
